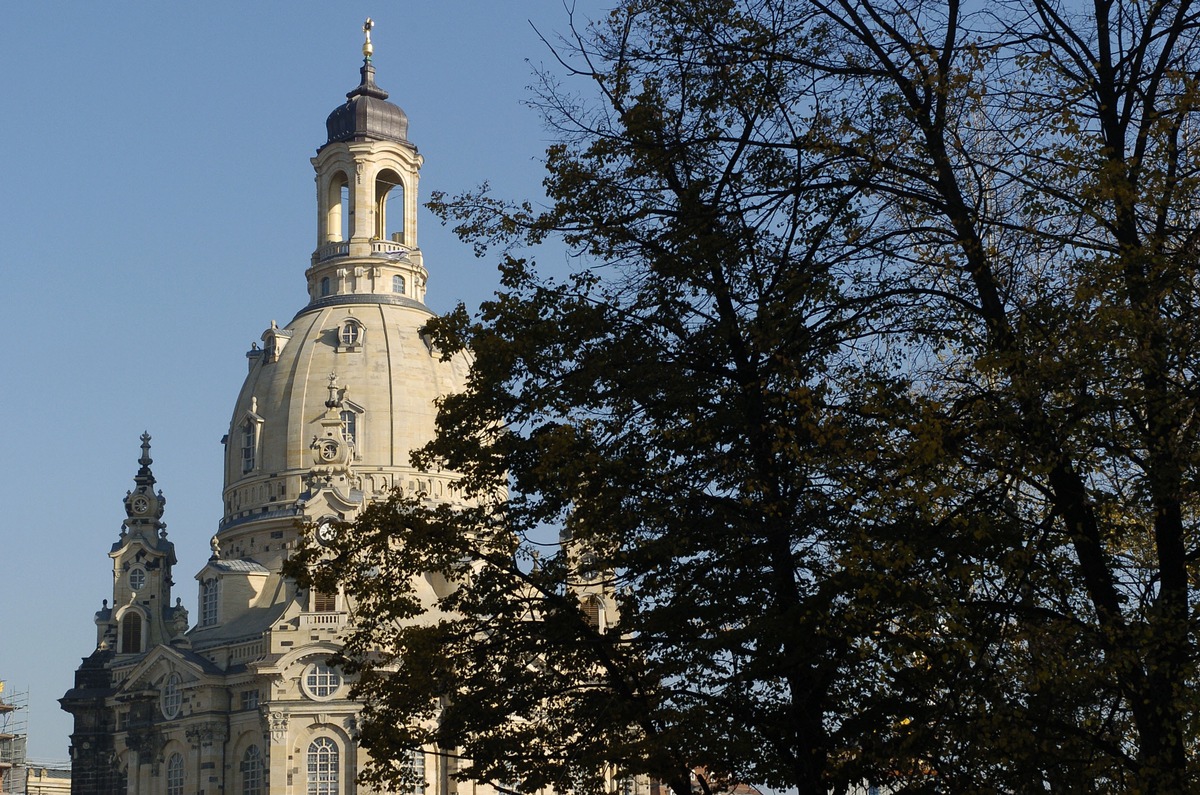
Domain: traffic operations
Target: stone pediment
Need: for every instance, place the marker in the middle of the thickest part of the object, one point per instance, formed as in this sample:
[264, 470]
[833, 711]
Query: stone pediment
[153, 545]
[279, 664]
[309, 652]
[148, 674]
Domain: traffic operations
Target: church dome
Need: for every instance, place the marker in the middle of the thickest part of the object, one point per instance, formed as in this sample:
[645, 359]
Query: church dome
[335, 402]
[367, 115]
[355, 363]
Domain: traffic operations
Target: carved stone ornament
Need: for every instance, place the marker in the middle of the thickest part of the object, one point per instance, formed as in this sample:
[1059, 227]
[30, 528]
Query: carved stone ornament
[207, 733]
[277, 725]
[147, 743]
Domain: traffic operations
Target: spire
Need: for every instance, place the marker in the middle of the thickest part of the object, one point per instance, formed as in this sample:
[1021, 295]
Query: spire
[366, 86]
[367, 115]
[143, 507]
[144, 476]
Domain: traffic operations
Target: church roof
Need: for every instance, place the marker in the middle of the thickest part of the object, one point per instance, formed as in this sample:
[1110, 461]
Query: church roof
[239, 565]
[249, 624]
[367, 115]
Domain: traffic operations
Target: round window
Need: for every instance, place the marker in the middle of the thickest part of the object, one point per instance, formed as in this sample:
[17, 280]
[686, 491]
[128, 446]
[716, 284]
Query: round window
[351, 333]
[320, 682]
[137, 579]
[172, 699]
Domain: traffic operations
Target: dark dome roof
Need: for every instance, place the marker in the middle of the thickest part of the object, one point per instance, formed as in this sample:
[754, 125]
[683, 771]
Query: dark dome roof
[367, 115]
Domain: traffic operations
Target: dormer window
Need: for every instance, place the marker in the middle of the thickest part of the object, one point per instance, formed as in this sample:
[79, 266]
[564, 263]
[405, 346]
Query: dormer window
[247, 436]
[350, 335]
[274, 339]
[349, 426]
[209, 595]
[248, 446]
[353, 418]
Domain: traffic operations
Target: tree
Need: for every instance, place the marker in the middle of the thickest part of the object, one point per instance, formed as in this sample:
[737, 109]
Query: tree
[1043, 180]
[680, 413]
[868, 416]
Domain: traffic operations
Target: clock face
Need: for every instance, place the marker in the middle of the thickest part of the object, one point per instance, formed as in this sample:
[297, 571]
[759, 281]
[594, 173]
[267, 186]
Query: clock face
[140, 505]
[326, 531]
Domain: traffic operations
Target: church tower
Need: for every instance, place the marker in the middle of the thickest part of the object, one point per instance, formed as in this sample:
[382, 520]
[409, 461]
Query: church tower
[142, 615]
[244, 701]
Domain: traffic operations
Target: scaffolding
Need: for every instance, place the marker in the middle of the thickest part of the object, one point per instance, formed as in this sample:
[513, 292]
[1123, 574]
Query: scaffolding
[14, 711]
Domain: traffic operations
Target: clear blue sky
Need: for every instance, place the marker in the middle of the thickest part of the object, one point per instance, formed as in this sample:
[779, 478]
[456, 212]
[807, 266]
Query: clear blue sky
[157, 214]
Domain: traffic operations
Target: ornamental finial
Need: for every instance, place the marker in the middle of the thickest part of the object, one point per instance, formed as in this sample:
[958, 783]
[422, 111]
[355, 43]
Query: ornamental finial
[368, 49]
[333, 402]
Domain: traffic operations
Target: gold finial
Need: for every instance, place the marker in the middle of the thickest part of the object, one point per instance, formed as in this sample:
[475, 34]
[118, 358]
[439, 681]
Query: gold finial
[367, 48]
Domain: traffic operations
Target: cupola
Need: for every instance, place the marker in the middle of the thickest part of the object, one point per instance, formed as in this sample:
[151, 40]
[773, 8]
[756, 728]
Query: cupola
[367, 174]
[367, 115]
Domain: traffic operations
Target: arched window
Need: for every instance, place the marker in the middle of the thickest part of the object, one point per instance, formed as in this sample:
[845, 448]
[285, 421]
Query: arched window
[416, 772]
[337, 209]
[389, 206]
[175, 774]
[131, 633]
[593, 610]
[252, 771]
[347, 212]
[210, 592]
[324, 286]
[323, 767]
[398, 284]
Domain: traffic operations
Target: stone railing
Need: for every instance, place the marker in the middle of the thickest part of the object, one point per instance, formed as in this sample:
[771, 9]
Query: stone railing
[341, 248]
[322, 619]
[388, 247]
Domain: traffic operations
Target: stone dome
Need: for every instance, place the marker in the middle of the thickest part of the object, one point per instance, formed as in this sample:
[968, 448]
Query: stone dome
[335, 402]
[358, 358]
[367, 115]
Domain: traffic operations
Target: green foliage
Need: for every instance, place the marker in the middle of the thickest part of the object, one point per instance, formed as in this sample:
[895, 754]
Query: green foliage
[869, 411]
